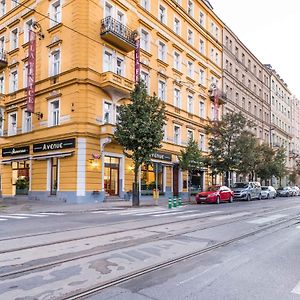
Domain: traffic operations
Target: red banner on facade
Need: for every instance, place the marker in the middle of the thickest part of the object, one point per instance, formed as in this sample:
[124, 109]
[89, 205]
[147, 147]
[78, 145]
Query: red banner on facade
[31, 72]
[137, 60]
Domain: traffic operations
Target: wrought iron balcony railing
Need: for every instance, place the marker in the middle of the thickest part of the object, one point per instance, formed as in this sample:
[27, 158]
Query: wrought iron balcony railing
[118, 34]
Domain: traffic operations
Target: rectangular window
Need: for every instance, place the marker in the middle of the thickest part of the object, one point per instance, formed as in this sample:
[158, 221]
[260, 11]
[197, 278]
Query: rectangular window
[27, 125]
[217, 58]
[162, 55]
[190, 134]
[12, 123]
[190, 104]
[190, 69]
[202, 77]
[54, 175]
[2, 7]
[177, 135]
[120, 66]
[144, 40]
[202, 19]
[107, 64]
[201, 47]
[202, 142]
[212, 54]
[162, 14]
[217, 33]
[55, 13]
[27, 27]
[1, 121]
[2, 44]
[108, 10]
[145, 4]
[55, 62]
[177, 98]
[190, 8]
[2, 84]
[14, 39]
[13, 81]
[25, 74]
[54, 114]
[177, 62]
[107, 112]
[190, 37]
[202, 109]
[162, 90]
[145, 78]
[176, 26]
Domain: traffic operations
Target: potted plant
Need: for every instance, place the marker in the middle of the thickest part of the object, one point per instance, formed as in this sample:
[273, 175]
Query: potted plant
[22, 185]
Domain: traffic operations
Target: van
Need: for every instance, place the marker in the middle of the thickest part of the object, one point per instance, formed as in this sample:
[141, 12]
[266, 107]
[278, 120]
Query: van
[247, 190]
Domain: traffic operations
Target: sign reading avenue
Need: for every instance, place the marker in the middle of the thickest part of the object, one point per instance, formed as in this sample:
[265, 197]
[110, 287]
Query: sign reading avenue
[55, 145]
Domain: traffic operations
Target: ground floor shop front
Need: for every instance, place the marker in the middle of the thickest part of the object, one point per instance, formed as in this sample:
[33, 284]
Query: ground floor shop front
[83, 169]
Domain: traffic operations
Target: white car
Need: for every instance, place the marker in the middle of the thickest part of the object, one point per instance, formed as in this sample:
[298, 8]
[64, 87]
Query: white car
[296, 191]
[268, 192]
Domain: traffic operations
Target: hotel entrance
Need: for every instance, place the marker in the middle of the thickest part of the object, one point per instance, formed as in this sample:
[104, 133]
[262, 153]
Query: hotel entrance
[111, 175]
[20, 177]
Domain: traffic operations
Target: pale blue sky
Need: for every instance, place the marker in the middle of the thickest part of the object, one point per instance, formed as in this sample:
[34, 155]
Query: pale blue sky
[270, 29]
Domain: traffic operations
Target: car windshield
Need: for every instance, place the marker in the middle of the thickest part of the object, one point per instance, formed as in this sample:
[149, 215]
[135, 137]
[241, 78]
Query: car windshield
[281, 188]
[240, 185]
[213, 188]
[264, 188]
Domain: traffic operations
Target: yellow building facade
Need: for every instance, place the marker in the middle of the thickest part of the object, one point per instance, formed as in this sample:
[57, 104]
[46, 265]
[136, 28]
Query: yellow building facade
[85, 68]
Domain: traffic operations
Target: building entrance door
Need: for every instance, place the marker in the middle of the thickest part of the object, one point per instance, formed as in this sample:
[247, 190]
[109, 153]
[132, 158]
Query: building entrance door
[20, 177]
[111, 175]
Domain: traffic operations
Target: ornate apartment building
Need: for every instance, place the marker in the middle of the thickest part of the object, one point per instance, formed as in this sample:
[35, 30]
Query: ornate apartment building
[246, 82]
[85, 69]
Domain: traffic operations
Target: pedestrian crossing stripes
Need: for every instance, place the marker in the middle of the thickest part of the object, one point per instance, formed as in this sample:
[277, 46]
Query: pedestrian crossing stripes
[296, 289]
[21, 216]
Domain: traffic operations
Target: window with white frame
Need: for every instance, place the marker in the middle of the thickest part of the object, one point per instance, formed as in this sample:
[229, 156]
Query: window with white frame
[202, 77]
[2, 83]
[201, 109]
[212, 54]
[162, 53]
[13, 81]
[108, 10]
[190, 69]
[120, 66]
[55, 62]
[14, 39]
[55, 12]
[177, 61]
[12, 123]
[190, 134]
[202, 19]
[107, 61]
[2, 44]
[190, 104]
[201, 47]
[107, 112]
[190, 8]
[177, 97]
[1, 121]
[162, 90]
[27, 121]
[27, 27]
[217, 58]
[145, 4]
[54, 114]
[190, 37]
[162, 14]
[144, 40]
[14, 3]
[176, 135]
[145, 77]
[202, 142]
[25, 74]
[177, 26]
[2, 7]
[121, 18]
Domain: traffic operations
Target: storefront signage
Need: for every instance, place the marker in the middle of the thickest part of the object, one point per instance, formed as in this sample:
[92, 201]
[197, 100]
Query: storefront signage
[31, 72]
[137, 65]
[162, 156]
[15, 151]
[56, 145]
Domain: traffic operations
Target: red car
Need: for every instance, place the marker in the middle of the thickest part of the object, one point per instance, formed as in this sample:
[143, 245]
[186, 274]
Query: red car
[215, 194]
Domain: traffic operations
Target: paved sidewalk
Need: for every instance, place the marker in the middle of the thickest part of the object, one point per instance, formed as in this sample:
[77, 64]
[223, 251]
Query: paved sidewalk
[22, 204]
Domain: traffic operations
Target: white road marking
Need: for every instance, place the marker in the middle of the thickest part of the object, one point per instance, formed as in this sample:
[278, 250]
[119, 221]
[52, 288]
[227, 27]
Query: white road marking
[3, 219]
[200, 214]
[12, 217]
[52, 214]
[30, 215]
[298, 227]
[266, 219]
[128, 211]
[219, 218]
[172, 213]
[296, 289]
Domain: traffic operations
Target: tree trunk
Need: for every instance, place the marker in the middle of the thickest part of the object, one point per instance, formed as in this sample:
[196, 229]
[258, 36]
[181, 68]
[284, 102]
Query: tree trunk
[135, 188]
[189, 186]
[227, 178]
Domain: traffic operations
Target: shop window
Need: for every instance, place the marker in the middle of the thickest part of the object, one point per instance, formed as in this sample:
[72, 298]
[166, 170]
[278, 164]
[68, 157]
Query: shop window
[20, 177]
[151, 178]
[54, 176]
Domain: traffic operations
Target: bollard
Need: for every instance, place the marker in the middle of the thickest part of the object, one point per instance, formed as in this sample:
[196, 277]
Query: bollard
[179, 201]
[175, 202]
[170, 203]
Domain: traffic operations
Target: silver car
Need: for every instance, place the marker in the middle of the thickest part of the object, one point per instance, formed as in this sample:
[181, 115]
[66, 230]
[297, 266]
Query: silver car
[268, 192]
[296, 191]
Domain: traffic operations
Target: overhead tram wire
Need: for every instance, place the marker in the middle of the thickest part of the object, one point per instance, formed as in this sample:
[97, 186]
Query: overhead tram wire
[101, 43]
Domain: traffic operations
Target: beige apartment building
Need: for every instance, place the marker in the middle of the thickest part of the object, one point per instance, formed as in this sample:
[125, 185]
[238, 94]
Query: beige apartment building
[85, 69]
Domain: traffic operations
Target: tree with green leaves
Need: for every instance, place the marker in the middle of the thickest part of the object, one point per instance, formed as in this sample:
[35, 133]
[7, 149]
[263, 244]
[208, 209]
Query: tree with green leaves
[279, 162]
[140, 130]
[225, 150]
[190, 159]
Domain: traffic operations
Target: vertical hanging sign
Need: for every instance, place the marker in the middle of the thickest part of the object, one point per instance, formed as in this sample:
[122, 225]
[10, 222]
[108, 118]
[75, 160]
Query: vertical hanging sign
[31, 72]
[137, 60]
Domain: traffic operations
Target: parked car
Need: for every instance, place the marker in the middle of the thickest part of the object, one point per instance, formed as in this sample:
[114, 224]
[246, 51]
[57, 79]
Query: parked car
[215, 194]
[247, 190]
[296, 190]
[285, 191]
[268, 192]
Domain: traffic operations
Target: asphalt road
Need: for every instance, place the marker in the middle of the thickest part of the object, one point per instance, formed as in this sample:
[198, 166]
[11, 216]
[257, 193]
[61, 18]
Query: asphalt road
[243, 250]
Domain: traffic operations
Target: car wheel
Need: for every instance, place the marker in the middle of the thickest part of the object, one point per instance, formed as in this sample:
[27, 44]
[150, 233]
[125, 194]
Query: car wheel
[248, 197]
[259, 197]
[218, 200]
[230, 199]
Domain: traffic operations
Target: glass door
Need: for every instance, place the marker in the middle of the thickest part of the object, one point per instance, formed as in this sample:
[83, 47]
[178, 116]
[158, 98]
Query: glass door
[111, 175]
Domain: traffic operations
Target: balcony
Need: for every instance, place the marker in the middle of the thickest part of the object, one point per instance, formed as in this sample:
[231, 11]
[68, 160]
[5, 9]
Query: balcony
[3, 60]
[118, 34]
[116, 85]
[222, 97]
